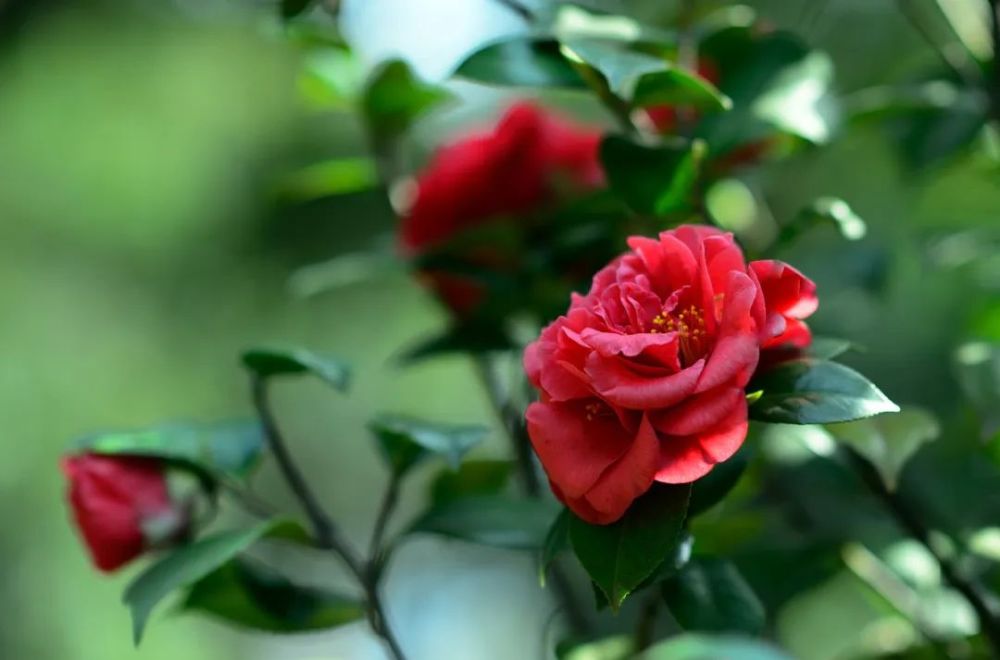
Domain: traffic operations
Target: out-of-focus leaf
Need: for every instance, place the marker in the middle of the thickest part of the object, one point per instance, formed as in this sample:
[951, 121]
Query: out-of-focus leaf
[714, 486]
[458, 339]
[280, 361]
[888, 101]
[228, 449]
[186, 566]
[572, 21]
[342, 271]
[797, 100]
[827, 348]
[521, 62]
[811, 391]
[710, 595]
[472, 478]
[556, 541]
[394, 99]
[619, 556]
[970, 21]
[339, 176]
[643, 80]
[292, 8]
[619, 647]
[978, 371]
[888, 441]
[497, 520]
[253, 596]
[692, 646]
[829, 210]
[405, 441]
[650, 179]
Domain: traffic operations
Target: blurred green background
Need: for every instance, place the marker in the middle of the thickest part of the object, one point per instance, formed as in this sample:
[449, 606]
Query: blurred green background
[144, 242]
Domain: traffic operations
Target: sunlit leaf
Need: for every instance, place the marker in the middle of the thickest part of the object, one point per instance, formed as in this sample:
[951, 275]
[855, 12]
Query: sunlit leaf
[833, 211]
[811, 391]
[619, 556]
[692, 646]
[797, 100]
[888, 441]
[339, 176]
[978, 371]
[226, 449]
[618, 647]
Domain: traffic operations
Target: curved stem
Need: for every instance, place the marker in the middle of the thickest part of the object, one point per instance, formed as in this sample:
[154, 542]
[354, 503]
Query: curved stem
[388, 505]
[327, 534]
[982, 602]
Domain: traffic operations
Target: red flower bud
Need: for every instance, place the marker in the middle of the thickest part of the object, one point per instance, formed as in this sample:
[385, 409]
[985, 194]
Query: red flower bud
[117, 502]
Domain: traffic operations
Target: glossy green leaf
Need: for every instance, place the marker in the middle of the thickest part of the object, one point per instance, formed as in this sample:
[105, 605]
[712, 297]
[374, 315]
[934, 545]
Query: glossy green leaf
[521, 62]
[798, 102]
[710, 595]
[827, 348]
[251, 595]
[395, 98]
[888, 441]
[186, 566]
[714, 486]
[281, 361]
[228, 449]
[497, 520]
[693, 646]
[643, 80]
[619, 556]
[470, 479]
[651, 179]
[811, 391]
[556, 540]
[405, 441]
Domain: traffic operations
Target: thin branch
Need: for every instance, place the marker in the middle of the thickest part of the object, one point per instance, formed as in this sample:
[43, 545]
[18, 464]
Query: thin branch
[327, 535]
[389, 500]
[957, 65]
[982, 602]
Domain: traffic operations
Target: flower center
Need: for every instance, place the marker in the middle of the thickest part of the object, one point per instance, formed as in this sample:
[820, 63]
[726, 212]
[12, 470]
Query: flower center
[689, 325]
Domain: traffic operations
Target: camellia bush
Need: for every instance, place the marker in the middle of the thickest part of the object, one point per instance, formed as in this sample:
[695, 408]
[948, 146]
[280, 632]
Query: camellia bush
[660, 349]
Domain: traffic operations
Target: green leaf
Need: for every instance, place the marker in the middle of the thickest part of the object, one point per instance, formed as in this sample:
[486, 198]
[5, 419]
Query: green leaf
[497, 520]
[471, 478]
[185, 566]
[644, 80]
[253, 596]
[556, 540]
[394, 99]
[713, 647]
[227, 449]
[797, 100]
[405, 441]
[338, 176]
[280, 361]
[292, 8]
[888, 441]
[709, 594]
[811, 391]
[521, 62]
[650, 179]
[618, 647]
[342, 271]
[619, 556]
[466, 338]
[714, 486]
[831, 211]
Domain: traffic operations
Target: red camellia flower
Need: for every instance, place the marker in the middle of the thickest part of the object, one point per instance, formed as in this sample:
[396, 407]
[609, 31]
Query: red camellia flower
[529, 160]
[643, 379]
[114, 498]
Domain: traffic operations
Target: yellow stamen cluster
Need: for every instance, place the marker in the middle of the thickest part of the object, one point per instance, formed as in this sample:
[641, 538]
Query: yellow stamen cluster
[689, 325]
[593, 410]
